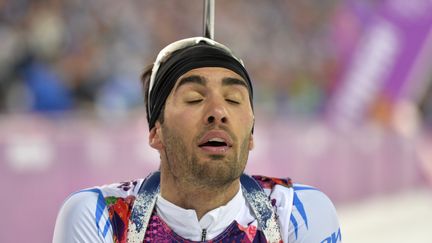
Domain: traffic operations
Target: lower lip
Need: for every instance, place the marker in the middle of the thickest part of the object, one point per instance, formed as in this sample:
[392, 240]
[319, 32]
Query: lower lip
[215, 150]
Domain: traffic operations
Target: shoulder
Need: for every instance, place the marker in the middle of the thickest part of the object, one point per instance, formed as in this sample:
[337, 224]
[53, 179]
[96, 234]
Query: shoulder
[305, 213]
[298, 195]
[304, 195]
[81, 218]
[310, 203]
[85, 217]
[313, 217]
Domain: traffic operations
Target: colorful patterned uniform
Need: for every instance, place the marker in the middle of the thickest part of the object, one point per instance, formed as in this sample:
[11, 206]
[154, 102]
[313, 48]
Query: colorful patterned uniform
[102, 214]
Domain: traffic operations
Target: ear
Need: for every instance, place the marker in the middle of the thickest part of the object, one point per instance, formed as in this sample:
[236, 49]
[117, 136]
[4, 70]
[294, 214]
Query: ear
[155, 135]
[251, 142]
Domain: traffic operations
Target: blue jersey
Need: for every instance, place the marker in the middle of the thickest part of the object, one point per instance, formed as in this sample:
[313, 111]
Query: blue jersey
[101, 214]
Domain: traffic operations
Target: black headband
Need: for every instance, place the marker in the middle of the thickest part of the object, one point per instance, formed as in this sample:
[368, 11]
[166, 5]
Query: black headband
[182, 61]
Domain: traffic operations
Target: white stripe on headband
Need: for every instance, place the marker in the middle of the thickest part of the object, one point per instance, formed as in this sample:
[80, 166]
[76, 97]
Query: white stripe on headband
[178, 45]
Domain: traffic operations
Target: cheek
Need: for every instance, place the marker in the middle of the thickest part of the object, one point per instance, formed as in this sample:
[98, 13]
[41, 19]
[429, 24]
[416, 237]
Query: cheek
[246, 120]
[182, 118]
[182, 122]
[174, 114]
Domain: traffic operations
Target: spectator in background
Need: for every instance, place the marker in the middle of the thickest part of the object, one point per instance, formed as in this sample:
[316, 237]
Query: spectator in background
[91, 48]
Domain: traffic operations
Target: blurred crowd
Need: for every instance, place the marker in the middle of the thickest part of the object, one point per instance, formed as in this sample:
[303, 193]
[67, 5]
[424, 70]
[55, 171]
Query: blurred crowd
[81, 55]
[71, 55]
[87, 56]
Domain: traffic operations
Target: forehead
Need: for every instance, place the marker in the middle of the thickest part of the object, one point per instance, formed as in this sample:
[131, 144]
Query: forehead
[211, 74]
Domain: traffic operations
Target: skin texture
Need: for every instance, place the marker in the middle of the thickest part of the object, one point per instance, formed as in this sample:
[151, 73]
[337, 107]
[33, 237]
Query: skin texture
[205, 102]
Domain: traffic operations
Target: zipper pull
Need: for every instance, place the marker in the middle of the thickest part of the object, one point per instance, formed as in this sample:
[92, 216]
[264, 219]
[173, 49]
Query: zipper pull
[203, 234]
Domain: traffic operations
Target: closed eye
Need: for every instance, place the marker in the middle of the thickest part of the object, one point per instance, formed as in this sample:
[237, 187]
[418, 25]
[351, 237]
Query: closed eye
[232, 101]
[194, 101]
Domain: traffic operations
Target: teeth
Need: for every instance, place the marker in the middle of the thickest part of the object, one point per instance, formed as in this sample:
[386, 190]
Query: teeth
[217, 140]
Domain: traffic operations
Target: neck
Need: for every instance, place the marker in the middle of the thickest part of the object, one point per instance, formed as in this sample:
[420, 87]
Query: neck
[201, 199]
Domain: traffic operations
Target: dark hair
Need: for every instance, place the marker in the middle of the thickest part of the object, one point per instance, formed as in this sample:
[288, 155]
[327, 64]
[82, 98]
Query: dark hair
[145, 81]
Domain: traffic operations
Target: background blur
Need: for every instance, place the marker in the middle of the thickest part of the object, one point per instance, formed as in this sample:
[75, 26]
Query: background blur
[343, 102]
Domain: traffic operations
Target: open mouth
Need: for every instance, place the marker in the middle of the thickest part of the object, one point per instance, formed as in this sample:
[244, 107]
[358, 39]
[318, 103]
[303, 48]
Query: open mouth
[215, 142]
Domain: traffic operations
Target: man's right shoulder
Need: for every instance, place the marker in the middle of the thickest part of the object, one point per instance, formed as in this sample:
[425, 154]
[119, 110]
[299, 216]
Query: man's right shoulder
[86, 215]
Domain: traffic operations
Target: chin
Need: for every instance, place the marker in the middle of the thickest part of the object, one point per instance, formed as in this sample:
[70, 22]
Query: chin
[218, 172]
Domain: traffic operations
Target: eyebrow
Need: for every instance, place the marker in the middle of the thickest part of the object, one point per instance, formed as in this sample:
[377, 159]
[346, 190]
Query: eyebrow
[194, 79]
[234, 81]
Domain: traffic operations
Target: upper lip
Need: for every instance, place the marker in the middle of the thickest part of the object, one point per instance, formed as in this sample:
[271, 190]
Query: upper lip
[216, 134]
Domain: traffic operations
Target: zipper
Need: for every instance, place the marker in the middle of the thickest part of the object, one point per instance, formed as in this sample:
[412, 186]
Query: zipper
[203, 234]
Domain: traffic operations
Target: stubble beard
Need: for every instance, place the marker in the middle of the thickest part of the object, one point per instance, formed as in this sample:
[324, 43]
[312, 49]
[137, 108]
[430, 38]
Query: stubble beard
[211, 172]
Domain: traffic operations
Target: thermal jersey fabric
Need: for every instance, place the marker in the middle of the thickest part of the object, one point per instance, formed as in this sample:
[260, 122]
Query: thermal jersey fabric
[101, 214]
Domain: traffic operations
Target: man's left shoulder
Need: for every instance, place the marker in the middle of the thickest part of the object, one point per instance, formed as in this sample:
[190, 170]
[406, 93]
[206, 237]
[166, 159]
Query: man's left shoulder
[312, 199]
[305, 213]
[274, 186]
[313, 217]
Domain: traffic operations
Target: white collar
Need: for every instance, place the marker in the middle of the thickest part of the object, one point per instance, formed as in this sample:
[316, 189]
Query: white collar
[184, 222]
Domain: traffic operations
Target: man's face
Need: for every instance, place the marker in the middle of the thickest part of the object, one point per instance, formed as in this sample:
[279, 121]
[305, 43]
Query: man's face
[206, 134]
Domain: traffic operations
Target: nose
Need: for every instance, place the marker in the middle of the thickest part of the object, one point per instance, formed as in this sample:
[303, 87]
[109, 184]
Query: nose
[216, 114]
